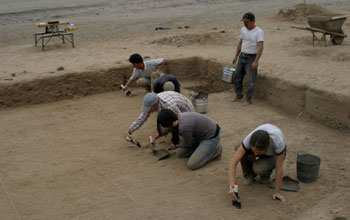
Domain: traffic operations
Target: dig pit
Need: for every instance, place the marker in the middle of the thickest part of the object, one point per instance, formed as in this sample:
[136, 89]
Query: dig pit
[205, 75]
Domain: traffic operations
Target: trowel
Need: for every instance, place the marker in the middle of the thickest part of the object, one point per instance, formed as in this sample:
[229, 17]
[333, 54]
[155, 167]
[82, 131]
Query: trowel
[235, 203]
[164, 154]
[153, 145]
[132, 141]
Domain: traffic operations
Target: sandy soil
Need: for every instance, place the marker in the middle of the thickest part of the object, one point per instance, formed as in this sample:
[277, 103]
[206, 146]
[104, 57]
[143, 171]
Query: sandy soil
[68, 160]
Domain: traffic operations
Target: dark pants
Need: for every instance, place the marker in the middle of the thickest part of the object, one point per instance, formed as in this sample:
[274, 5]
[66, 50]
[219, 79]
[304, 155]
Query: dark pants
[252, 167]
[243, 67]
[262, 167]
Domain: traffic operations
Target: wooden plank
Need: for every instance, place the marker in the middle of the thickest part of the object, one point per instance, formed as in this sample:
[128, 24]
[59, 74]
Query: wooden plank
[54, 24]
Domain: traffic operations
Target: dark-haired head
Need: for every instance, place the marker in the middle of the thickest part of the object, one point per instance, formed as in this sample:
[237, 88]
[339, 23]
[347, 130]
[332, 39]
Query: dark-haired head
[260, 139]
[167, 119]
[135, 58]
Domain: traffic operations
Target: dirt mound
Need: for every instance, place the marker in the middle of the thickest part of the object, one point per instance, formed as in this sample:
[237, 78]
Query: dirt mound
[201, 39]
[300, 12]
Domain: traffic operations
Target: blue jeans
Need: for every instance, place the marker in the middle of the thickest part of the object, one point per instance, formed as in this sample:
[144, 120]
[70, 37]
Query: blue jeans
[243, 67]
[201, 152]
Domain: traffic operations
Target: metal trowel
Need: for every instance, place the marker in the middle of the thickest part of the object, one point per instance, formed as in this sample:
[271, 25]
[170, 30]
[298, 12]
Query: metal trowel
[132, 141]
[235, 203]
[164, 154]
[153, 145]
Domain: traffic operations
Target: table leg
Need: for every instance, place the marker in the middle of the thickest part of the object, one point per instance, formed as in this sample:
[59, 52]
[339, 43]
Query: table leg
[42, 44]
[72, 39]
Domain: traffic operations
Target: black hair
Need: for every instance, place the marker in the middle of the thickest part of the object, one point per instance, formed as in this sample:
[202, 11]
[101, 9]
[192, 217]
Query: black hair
[135, 58]
[249, 15]
[165, 118]
[260, 139]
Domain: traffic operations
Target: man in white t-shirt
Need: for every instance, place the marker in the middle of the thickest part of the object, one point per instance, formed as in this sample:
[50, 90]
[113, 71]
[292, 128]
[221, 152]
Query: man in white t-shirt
[263, 150]
[249, 51]
[144, 72]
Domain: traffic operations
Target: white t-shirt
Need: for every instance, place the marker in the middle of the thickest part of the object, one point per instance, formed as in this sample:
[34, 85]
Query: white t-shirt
[250, 39]
[277, 139]
[150, 66]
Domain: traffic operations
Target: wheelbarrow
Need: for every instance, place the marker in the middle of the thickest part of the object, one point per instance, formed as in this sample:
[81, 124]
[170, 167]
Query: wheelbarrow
[326, 25]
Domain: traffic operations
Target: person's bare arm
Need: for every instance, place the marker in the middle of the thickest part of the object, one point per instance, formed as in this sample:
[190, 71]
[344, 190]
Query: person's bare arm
[279, 178]
[258, 55]
[128, 83]
[232, 168]
[238, 50]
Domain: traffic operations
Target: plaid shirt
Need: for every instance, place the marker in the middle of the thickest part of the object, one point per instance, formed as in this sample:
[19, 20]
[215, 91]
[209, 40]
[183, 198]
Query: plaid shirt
[167, 100]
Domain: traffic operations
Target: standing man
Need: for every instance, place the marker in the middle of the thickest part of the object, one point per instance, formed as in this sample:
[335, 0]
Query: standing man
[166, 82]
[263, 150]
[156, 102]
[142, 71]
[249, 50]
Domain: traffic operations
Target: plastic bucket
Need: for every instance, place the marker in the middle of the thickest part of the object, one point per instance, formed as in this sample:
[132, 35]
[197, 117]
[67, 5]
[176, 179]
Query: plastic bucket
[307, 167]
[227, 74]
[200, 104]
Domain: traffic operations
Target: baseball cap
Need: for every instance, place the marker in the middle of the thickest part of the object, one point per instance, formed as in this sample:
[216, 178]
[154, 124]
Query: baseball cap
[249, 16]
[149, 100]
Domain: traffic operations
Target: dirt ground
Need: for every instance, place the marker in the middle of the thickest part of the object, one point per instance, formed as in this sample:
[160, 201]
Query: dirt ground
[68, 159]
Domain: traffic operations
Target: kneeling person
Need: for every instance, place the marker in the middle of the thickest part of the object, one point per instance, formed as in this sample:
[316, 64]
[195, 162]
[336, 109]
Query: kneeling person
[156, 102]
[261, 151]
[201, 136]
[142, 71]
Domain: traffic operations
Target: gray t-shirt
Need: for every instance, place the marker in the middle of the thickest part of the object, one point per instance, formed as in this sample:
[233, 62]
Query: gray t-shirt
[195, 125]
[150, 66]
[277, 139]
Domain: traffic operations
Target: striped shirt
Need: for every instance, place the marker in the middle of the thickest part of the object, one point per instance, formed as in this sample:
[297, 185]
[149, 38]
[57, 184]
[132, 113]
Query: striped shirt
[167, 100]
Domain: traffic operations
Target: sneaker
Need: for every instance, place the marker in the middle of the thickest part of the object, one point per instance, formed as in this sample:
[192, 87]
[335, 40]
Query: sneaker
[217, 155]
[248, 180]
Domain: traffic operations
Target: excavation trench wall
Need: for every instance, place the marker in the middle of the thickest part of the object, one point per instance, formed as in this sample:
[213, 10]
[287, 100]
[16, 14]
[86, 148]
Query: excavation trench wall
[326, 108]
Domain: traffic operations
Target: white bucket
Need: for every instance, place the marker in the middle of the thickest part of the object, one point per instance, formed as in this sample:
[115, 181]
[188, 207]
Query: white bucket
[227, 74]
[200, 104]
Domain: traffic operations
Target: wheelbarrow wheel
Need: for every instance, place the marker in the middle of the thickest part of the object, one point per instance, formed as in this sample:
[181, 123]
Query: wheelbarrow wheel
[337, 40]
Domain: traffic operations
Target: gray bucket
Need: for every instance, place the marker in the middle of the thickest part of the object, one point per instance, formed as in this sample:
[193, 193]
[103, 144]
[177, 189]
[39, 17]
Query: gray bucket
[200, 103]
[227, 74]
[307, 167]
